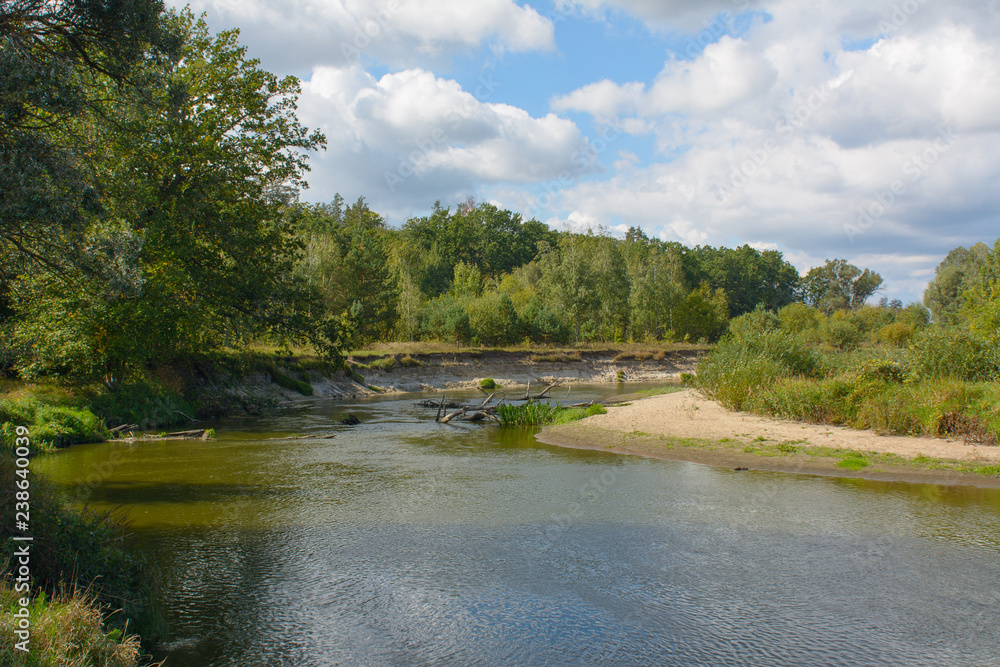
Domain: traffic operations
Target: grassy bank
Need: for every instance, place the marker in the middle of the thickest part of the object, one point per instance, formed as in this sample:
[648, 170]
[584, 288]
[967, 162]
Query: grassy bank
[90, 590]
[941, 383]
[68, 630]
[795, 456]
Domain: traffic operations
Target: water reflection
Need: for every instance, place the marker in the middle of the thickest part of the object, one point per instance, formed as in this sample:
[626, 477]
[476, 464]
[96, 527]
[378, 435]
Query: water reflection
[403, 541]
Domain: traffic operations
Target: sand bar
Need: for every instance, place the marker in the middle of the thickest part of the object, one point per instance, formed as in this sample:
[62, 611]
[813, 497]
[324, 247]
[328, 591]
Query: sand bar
[686, 426]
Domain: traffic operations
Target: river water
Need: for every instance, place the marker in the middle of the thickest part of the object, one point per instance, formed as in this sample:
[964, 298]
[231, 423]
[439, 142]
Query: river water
[406, 542]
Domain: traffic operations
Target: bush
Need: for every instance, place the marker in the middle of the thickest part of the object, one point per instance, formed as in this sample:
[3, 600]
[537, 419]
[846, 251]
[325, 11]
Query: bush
[740, 367]
[798, 317]
[51, 425]
[759, 321]
[842, 334]
[445, 319]
[953, 352]
[488, 383]
[147, 404]
[495, 321]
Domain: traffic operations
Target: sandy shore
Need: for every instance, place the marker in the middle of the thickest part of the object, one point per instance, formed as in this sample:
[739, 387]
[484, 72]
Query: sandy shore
[685, 426]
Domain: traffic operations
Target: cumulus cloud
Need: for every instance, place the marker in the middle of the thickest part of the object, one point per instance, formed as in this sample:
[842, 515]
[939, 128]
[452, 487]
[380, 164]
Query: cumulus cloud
[410, 137]
[293, 36]
[729, 72]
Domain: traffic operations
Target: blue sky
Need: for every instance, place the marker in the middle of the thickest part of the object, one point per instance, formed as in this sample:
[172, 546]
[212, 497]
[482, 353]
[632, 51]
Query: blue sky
[862, 129]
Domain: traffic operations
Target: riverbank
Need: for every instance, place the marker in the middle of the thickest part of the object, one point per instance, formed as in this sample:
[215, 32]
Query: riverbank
[465, 369]
[684, 426]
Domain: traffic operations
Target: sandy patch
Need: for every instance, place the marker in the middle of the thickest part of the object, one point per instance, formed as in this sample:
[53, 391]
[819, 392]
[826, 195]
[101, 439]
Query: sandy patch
[659, 426]
[687, 414]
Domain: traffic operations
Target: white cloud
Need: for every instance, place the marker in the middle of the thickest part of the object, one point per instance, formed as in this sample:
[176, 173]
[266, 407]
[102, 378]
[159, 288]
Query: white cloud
[410, 137]
[728, 73]
[293, 36]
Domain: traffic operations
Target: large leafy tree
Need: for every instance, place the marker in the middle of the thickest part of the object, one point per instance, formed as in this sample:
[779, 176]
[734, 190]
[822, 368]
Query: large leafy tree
[961, 271]
[57, 59]
[839, 284]
[196, 177]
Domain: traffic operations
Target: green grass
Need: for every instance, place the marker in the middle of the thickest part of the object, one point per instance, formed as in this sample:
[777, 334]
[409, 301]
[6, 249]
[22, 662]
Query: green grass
[526, 414]
[855, 461]
[50, 426]
[67, 630]
[540, 414]
[488, 383]
[383, 364]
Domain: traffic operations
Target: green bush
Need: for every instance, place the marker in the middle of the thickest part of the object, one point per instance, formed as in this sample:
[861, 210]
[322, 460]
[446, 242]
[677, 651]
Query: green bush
[445, 319]
[738, 368]
[51, 426]
[798, 317]
[842, 334]
[488, 383]
[495, 321]
[759, 321]
[954, 352]
[145, 403]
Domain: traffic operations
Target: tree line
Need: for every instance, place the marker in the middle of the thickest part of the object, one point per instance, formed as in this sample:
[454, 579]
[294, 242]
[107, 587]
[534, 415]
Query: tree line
[482, 275]
[151, 174]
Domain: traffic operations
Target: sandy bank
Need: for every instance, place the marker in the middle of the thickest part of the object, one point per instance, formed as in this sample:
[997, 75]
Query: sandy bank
[685, 426]
[465, 370]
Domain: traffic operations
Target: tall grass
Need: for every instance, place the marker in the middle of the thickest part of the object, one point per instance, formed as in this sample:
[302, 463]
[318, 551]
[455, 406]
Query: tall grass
[526, 414]
[66, 630]
[539, 414]
[85, 551]
[930, 389]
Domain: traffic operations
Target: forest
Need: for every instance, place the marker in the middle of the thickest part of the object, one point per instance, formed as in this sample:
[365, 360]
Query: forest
[152, 216]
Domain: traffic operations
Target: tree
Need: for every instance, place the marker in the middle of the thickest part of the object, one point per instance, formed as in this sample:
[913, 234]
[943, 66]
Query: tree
[199, 175]
[961, 271]
[58, 57]
[839, 285]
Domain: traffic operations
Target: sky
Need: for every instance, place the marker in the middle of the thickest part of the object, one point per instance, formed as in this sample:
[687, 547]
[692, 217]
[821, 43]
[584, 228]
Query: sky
[867, 130]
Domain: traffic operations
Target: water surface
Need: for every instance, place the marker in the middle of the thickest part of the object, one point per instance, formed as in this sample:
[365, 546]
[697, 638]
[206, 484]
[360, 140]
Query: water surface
[406, 542]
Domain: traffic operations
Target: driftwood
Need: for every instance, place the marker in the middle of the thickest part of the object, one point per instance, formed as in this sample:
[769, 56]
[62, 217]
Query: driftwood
[123, 427]
[528, 397]
[197, 434]
[306, 437]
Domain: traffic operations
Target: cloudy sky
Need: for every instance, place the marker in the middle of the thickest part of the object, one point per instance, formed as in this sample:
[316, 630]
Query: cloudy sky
[862, 129]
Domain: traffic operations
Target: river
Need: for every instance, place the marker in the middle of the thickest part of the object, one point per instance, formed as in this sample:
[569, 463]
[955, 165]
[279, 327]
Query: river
[406, 542]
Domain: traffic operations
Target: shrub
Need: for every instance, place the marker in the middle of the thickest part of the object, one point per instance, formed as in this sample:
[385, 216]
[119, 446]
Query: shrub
[798, 317]
[445, 319]
[495, 321]
[740, 367]
[146, 403]
[897, 333]
[488, 383]
[407, 360]
[953, 352]
[759, 321]
[841, 333]
[51, 425]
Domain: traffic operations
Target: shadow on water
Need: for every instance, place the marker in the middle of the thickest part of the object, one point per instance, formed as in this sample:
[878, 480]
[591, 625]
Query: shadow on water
[404, 541]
